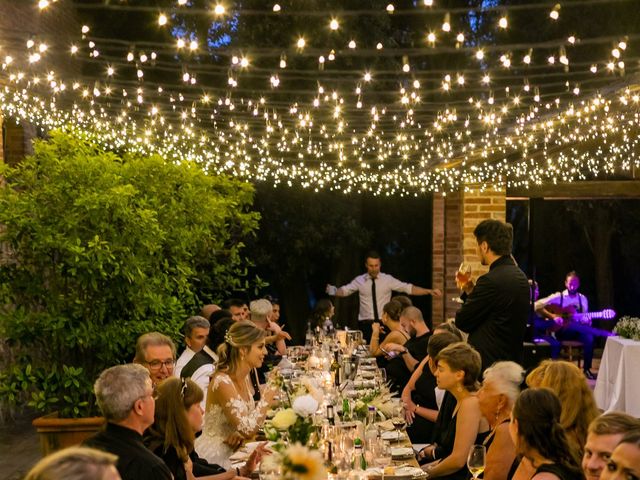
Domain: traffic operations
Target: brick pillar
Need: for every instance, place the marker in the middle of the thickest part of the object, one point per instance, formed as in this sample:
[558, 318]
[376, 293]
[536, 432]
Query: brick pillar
[454, 218]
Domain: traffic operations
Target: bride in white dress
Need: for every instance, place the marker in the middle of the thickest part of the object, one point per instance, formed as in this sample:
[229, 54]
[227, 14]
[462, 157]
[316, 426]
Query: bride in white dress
[232, 415]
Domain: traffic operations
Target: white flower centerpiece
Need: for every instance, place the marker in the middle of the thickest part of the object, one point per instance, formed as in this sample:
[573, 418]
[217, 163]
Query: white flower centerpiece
[294, 423]
[628, 327]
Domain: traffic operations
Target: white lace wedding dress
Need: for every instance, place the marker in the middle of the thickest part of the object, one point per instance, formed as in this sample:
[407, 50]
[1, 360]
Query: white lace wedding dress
[246, 417]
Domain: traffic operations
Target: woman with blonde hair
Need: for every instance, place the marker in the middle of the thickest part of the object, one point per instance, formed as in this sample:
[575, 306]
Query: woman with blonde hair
[579, 408]
[76, 463]
[499, 392]
[178, 418]
[232, 415]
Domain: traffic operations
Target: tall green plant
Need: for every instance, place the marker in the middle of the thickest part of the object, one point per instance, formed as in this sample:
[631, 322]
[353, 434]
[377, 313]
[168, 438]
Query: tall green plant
[101, 248]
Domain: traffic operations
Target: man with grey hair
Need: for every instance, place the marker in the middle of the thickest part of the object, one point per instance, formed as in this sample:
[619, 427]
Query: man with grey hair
[261, 311]
[197, 360]
[157, 353]
[124, 394]
[196, 332]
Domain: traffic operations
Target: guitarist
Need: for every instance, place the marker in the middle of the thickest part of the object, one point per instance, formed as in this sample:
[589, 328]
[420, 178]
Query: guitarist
[569, 299]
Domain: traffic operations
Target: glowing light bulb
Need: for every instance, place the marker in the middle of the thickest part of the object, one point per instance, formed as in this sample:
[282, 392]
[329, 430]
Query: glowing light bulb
[193, 45]
[244, 62]
[180, 43]
[479, 54]
[42, 4]
[352, 44]
[428, 3]
[554, 14]
[276, 8]
[162, 19]
[391, 8]
[460, 38]
[85, 29]
[503, 22]
[571, 39]
[301, 42]
[379, 46]
[219, 9]
[406, 68]
[333, 24]
[446, 26]
[431, 37]
[74, 49]
[367, 77]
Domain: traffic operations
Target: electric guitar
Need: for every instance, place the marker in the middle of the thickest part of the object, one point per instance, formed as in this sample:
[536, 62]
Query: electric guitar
[569, 314]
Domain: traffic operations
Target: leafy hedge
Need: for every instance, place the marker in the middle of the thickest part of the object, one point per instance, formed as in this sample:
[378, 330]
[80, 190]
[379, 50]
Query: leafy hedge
[100, 248]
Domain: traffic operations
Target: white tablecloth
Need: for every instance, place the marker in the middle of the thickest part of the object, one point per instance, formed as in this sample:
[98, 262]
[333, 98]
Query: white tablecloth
[618, 384]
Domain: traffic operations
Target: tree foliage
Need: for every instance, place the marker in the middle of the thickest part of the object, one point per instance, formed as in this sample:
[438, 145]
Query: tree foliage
[101, 248]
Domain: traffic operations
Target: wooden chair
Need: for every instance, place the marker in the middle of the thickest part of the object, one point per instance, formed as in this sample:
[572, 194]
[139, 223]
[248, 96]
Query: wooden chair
[572, 350]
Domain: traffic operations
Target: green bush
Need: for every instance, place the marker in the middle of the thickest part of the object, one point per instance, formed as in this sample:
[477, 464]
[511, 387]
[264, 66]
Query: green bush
[100, 248]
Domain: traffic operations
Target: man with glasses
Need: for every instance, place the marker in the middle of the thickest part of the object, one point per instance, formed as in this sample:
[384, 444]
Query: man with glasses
[157, 353]
[124, 394]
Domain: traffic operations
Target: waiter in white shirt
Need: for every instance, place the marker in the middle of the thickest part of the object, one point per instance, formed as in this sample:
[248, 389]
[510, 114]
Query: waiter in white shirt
[375, 288]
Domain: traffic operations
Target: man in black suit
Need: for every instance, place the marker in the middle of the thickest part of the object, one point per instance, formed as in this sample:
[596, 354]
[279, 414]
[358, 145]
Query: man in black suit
[125, 396]
[496, 308]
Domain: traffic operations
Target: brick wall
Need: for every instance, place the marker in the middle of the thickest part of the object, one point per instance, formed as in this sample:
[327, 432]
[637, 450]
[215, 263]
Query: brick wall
[454, 218]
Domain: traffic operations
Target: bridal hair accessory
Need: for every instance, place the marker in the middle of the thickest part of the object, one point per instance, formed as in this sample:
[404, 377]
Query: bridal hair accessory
[228, 339]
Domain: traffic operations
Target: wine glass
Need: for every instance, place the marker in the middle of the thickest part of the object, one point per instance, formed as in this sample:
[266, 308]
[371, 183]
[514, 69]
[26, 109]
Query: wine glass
[398, 419]
[476, 460]
[463, 275]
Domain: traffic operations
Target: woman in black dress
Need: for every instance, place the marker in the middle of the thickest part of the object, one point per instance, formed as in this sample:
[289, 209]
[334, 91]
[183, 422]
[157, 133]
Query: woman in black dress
[419, 395]
[540, 439]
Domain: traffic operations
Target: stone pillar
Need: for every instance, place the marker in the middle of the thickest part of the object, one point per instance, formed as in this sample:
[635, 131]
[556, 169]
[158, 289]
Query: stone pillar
[455, 216]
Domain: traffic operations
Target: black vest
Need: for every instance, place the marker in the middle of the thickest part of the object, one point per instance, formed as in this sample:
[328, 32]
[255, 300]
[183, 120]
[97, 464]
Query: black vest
[198, 360]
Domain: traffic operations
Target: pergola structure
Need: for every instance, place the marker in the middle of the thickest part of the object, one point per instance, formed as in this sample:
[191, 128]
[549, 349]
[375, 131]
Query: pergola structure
[473, 113]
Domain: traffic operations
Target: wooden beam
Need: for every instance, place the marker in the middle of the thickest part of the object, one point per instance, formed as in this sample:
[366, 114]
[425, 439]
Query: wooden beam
[579, 190]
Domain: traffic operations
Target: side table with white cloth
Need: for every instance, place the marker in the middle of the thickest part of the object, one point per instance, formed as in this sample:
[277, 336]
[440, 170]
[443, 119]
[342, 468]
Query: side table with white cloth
[618, 384]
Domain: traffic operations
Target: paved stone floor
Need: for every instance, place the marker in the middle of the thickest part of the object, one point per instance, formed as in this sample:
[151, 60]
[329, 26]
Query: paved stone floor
[19, 449]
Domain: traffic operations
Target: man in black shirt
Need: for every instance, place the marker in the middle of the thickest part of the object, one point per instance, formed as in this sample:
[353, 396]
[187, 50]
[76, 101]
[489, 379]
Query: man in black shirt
[125, 396]
[405, 358]
[496, 309]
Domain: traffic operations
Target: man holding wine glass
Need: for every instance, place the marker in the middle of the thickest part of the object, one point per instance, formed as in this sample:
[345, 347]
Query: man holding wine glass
[496, 307]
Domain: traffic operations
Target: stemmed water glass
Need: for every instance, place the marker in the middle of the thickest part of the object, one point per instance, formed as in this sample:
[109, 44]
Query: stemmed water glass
[476, 460]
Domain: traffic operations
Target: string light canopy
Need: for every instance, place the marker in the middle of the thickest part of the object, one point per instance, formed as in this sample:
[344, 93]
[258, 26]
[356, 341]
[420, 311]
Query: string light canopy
[343, 109]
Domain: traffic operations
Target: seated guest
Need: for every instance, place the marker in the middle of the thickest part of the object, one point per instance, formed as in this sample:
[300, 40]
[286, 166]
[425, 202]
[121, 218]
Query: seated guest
[403, 300]
[576, 398]
[605, 432]
[196, 331]
[236, 307]
[178, 418]
[540, 438]
[275, 305]
[209, 309]
[75, 463]
[321, 316]
[395, 334]
[419, 395]
[157, 353]
[403, 359]
[232, 416]
[261, 312]
[460, 427]
[498, 394]
[625, 459]
[124, 394]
